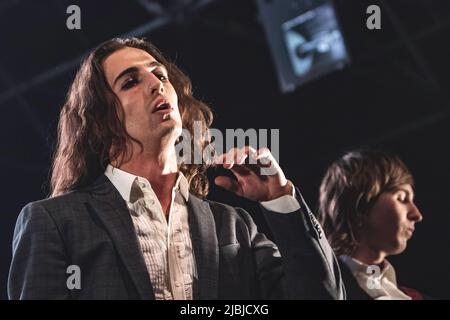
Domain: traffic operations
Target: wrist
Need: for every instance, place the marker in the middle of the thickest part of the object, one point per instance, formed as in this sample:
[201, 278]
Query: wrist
[286, 190]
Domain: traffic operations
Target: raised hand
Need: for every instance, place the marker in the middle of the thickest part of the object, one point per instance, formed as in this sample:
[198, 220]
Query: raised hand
[258, 175]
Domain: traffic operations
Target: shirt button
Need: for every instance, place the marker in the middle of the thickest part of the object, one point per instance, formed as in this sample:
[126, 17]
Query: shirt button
[177, 283]
[151, 201]
[142, 184]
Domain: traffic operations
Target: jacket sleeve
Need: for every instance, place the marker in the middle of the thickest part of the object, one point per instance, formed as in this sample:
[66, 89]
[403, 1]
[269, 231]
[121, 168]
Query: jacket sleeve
[38, 267]
[267, 259]
[310, 267]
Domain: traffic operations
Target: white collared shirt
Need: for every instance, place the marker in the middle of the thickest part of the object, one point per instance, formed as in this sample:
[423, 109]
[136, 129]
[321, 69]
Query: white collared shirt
[379, 284]
[165, 244]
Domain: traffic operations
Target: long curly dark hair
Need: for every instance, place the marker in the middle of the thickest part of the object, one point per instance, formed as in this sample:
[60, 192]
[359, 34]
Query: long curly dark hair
[91, 130]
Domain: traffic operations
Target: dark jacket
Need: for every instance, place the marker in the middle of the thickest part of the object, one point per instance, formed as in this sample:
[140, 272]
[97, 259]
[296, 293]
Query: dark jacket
[92, 228]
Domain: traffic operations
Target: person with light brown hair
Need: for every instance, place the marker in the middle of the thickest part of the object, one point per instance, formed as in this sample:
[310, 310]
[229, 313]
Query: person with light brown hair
[367, 210]
[127, 220]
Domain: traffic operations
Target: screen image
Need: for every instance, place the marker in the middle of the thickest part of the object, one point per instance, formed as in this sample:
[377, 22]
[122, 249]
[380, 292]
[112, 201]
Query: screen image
[314, 43]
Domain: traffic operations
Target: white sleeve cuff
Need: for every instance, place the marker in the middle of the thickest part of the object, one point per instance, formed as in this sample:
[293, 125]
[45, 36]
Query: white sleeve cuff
[283, 204]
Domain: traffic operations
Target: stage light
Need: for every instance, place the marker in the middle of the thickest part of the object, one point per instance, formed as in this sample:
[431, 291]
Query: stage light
[305, 39]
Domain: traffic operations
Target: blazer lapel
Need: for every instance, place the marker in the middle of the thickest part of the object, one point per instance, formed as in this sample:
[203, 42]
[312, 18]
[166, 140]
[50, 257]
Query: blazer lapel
[206, 249]
[113, 212]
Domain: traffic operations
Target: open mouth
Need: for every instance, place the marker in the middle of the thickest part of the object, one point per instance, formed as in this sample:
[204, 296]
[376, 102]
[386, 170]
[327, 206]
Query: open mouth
[163, 107]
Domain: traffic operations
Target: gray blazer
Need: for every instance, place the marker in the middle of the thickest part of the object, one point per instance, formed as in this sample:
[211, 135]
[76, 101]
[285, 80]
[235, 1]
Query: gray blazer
[92, 228]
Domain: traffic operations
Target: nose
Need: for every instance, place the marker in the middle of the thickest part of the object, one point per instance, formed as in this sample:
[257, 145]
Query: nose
[155, 85]
[415, 214]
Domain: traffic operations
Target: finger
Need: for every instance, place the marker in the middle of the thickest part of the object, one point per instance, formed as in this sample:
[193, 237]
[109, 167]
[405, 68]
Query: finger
[225, 160]
[229, 158]
[229, 184]
[236, 156]
[251, 154]
[241, 157]
[264, 156]
[269, 166]
[244, 155]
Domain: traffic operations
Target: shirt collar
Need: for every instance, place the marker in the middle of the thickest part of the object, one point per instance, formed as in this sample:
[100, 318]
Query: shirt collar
[360, 269]
[123, 181]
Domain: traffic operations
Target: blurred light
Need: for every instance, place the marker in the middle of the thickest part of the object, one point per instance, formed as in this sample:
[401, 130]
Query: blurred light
[305, 39]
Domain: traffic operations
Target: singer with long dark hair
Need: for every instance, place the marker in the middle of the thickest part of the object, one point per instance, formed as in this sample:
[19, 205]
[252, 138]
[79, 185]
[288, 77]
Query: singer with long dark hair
[135, 223]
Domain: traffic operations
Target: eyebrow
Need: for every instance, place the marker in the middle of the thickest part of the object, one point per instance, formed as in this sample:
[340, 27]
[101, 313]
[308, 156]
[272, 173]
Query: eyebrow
[135, 69]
